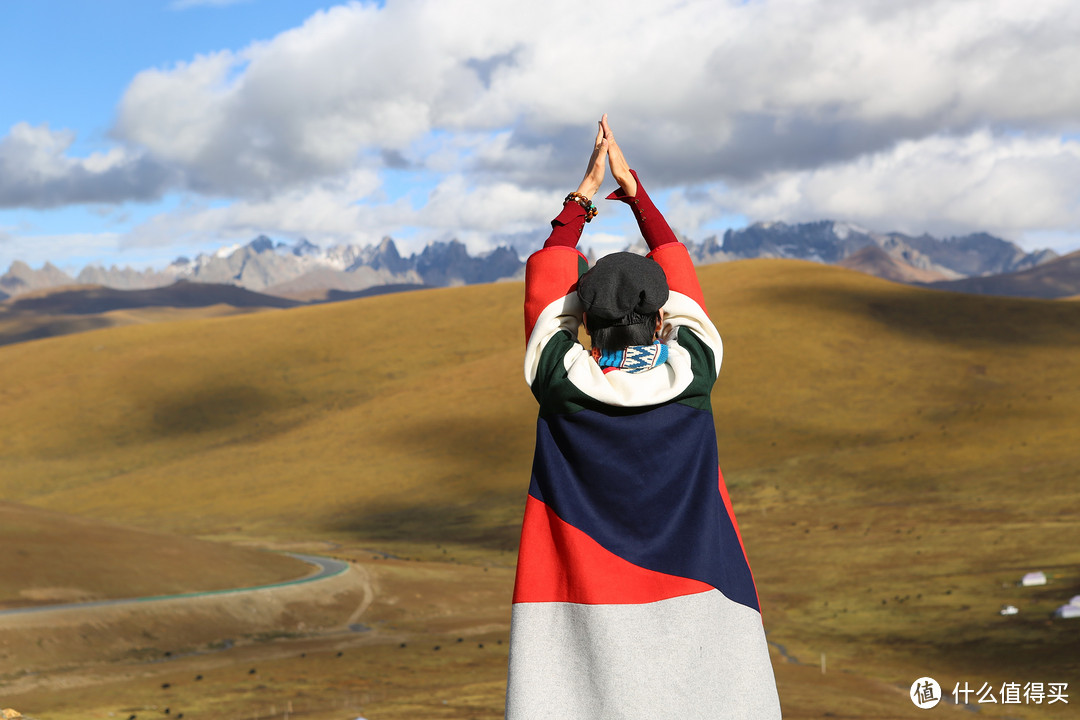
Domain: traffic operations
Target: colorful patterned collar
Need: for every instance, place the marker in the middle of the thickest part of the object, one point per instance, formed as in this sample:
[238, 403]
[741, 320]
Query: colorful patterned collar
[634, 359]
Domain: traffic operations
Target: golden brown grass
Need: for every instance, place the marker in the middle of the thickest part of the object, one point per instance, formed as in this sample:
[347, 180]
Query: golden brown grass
[18, 326]
[897, 458]
[51, 558]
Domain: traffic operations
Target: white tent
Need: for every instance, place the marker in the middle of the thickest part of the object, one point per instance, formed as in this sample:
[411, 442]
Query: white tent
[1068, 611]
[1034, 578]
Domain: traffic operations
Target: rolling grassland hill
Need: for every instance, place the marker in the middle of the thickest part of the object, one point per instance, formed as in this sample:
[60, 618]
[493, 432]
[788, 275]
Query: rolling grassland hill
[873, 260]
[71, 309]
[1057, 278]
[93, 299]
[898, 458]
[51, 558]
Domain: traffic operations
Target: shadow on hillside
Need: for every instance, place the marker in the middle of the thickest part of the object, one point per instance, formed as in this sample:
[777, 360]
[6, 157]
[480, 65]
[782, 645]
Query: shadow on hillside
[1034, 648]
[210, 409]
[474, 475]
[487, 520]
[469, 448]
[341, 295]
[40, 328]
[94, 300]
[947, 317]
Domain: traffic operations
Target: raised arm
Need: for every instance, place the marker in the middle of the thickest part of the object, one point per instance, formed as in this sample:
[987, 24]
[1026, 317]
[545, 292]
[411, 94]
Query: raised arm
[620, 169]
[566, 228]
[552, 272]
[664, 247]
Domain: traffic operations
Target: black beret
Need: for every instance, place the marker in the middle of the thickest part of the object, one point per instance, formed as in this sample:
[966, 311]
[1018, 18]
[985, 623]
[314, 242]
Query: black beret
[621, 285]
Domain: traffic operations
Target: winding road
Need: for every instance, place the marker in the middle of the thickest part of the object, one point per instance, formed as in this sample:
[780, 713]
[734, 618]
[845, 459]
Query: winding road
[327, 568]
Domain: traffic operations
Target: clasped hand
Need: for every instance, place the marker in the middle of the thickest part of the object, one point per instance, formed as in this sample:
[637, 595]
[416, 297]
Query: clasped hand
[606, 148]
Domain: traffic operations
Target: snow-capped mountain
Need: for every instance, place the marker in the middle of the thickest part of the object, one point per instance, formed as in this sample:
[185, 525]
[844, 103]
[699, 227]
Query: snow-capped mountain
[264, 265]
[307, 271]
[831, 242]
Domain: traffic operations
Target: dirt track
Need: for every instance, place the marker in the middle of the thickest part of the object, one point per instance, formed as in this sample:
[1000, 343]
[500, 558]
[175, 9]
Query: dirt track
[101, 633]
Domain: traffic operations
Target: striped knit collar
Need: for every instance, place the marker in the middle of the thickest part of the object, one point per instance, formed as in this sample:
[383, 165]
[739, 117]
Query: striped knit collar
[633, 359]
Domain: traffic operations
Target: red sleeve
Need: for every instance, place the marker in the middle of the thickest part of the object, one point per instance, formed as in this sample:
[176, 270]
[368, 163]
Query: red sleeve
[679, 269]
[653, 226]
[550, 273]
[664, 246]
[567, 226]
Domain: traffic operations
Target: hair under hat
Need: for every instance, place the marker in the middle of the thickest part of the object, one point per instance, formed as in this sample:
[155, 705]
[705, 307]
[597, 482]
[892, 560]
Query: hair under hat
[623, 287]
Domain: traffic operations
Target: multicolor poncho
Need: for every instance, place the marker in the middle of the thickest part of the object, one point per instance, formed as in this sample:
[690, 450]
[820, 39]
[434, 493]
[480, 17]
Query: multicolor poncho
[633, 598]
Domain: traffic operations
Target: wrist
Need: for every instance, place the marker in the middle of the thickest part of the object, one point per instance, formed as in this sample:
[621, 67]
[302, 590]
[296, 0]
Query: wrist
[585, 201]
[627, 184]
[587, 189]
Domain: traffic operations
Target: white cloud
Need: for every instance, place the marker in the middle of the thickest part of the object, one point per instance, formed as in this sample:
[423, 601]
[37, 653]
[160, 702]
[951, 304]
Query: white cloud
[1060, 242]
[70, 252]
[702, 90]
[499, 207]
[601, 243]
[324, 212]
[36, 171]
[341, 212]
[301, 106]
[941, 184]
[940, 114]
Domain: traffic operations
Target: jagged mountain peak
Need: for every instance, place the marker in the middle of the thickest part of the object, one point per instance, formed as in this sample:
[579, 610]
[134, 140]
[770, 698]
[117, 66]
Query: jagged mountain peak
[21, 278]
[305, 267]
[18, 267]
[303, 247]
[833, 241]
[261, 244]
[843, 229]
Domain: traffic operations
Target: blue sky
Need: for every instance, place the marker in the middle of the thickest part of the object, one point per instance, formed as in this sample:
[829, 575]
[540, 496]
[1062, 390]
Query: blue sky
[66, 63]
[134, 131]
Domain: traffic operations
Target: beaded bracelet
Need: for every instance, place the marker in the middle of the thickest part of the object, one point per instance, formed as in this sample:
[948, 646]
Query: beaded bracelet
[590, 209]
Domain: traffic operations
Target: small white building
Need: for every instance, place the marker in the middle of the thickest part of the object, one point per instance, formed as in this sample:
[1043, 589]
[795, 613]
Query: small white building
[1068, 611]
[1075, 600]
[1034, 578]
[1008, 610]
